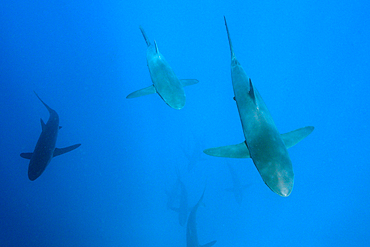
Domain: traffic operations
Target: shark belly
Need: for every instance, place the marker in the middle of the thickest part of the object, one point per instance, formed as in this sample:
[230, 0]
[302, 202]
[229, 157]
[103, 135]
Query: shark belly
[263, 140]
[166, 83]
[43, 152]
[271, 159]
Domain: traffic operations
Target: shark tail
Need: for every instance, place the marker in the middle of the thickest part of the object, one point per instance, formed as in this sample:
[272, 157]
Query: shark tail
[156, 47]
[201, 198]
[209, 244]
[47, 107]
[228, 36]
[145, 37]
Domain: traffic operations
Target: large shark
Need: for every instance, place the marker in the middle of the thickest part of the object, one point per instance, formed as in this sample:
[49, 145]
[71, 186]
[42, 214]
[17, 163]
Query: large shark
[45, 148]
[165, 82]
[263, 142]
[191, 228]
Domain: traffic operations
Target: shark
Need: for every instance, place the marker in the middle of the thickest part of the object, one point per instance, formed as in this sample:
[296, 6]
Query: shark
[193, 154]
[262, 141]
[191, 228]
[172, 195]
[237, 188]
[182, 208]
[165, 82]
[45, 148]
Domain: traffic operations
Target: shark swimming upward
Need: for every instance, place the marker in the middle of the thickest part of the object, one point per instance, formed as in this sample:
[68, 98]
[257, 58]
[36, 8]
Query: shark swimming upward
[191, 228]
[45, 148]
[165, 82]
[262, 141]
[182, 206]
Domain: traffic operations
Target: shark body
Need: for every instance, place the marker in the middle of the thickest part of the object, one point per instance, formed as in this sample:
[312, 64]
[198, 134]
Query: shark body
[262, 140]
[45, 148]
[179, 191]
[191, 228]
[165, 81]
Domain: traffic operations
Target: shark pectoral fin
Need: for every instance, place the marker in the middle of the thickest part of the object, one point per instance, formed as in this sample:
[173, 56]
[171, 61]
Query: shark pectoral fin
[42, 124]
[209, 244]
[295, 136]
[26, 155]
[232, 151]
[142, 92]
[59, 151]
[188, 82]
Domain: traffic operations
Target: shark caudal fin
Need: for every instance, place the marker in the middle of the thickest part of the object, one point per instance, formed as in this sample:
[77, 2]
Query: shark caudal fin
[142, 92]
[145, 37]
[59, 151]
[292, 138]
[209, 244]
[156, 47]
[47, 107]
[231, 151]
[230, 44]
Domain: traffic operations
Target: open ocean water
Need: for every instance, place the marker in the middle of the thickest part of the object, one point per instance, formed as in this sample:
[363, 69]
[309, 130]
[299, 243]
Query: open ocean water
[308, 59]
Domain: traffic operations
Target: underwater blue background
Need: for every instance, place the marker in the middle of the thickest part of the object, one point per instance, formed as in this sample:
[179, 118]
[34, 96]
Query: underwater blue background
[308, 59]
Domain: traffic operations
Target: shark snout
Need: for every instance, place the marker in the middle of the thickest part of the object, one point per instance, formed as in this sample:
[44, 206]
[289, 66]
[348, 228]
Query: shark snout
[284, 185]
[285, 191]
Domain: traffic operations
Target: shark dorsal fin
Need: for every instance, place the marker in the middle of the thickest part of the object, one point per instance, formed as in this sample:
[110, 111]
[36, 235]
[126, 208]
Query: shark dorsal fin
[42, 124]
[156, 47]
[251, 91]
[145, 37]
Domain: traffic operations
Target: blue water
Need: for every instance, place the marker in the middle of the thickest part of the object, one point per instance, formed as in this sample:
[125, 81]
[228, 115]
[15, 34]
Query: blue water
[308, 59]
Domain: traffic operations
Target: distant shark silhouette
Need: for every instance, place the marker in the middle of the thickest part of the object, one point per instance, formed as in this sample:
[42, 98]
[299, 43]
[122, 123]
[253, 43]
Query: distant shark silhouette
[193, 154]
[173, 195]
[191, 228]
[165, 82]
[183, 209]
[45, 148]
[238, 188]
[263, 142]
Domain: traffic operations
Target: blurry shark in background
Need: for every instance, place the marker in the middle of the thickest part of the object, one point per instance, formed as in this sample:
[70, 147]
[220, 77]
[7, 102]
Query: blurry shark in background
[238, 188]
[45, 148]
[262, 141]
[173, 195]
[182, 208]
[165, 82]
[193, 153]
[191, 228]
